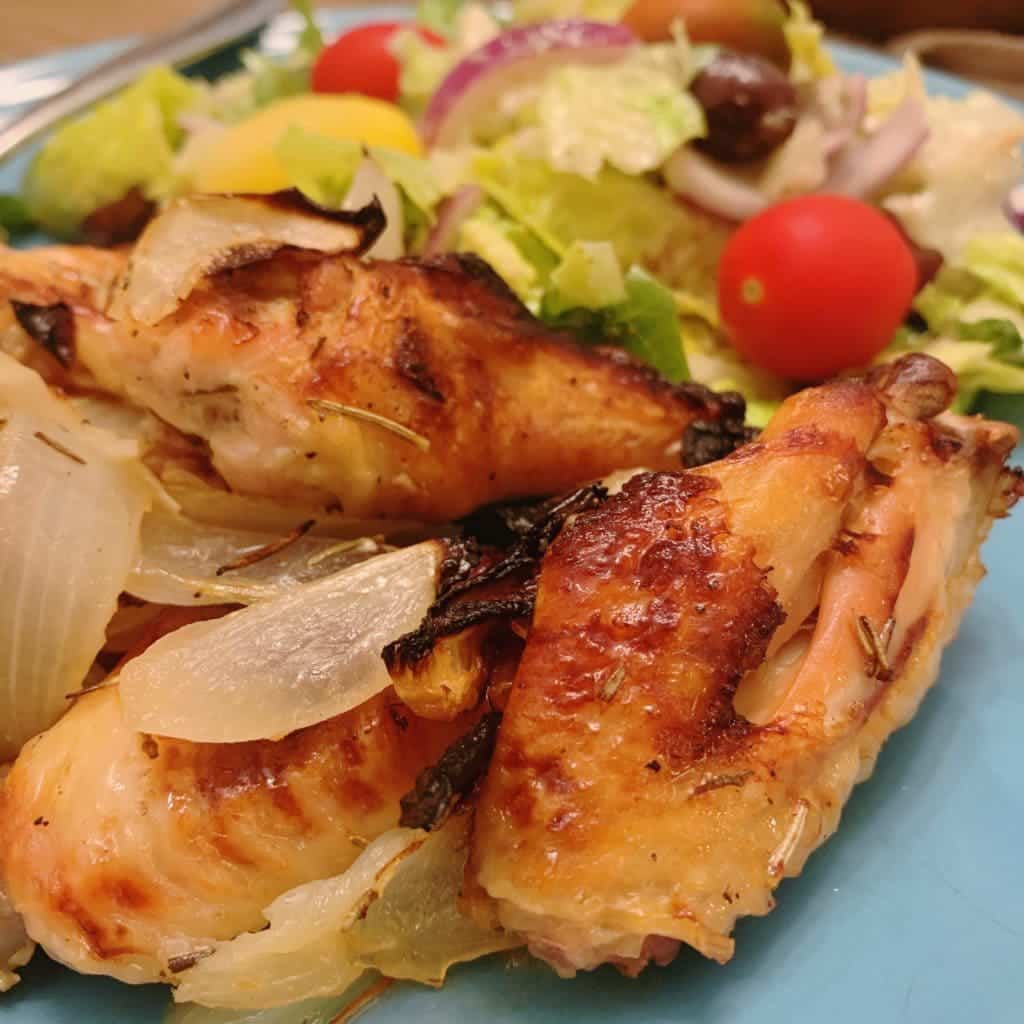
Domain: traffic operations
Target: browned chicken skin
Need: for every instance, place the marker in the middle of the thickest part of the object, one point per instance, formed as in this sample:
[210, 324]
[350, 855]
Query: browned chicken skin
[715, 659]
[123, 851]
[811, 580]
[502, 406]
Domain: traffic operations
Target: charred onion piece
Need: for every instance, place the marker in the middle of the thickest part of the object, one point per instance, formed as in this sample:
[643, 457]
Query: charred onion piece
[51, 326]
[439, 788]
[460, 574]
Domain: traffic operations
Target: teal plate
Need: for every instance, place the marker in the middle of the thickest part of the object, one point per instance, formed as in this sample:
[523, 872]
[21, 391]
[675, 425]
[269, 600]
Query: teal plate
[913, 913]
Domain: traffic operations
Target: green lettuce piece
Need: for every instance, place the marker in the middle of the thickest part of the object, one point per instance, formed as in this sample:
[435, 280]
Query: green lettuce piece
[589, 275]
[644, 323]
[997, 260]
[124, 142]
[438, 15]
[633, 214]
[323, 167]
[422, 67]
[1003, 336]
[526, 11]
[809, 59]
[14, 216]
[512, 250]
[630, 115]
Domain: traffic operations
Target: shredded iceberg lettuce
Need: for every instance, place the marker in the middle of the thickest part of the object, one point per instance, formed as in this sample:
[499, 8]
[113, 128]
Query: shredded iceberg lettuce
[125, 142]
[323, 168]
[631, 115]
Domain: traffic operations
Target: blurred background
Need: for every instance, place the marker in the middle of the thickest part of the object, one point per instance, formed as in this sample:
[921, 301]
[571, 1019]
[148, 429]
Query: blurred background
[959, 35]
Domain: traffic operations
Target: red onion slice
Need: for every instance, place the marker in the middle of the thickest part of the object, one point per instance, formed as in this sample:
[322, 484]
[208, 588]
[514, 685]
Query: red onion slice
[516, 57]
[1015, 207]
[855, 106]
[866, 165]
[710, 186]
[451, 214]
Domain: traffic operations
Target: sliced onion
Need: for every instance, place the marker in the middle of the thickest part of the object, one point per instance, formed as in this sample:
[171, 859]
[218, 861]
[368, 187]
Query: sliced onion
[415, 930]
[711, 186]
[1015, 207]
[516, 57]
[198, 235]
[71, 501]
[303, 952]
[16, 948]
[369, 183]
[451, 215]
[297, 659]
[183, 562]
[396, 909]
[841, 105]
[864, 166]
[310, 1011]
[204, 503]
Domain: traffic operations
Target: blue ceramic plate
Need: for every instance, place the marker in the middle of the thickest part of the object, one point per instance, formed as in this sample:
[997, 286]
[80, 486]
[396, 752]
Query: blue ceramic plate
[913, 913]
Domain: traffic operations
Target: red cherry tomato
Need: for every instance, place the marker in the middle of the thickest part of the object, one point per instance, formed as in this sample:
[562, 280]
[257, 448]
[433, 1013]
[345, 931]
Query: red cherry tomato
[361, 61]
[815, 285]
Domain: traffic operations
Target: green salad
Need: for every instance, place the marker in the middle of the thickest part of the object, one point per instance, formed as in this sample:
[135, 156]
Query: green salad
[718, 199]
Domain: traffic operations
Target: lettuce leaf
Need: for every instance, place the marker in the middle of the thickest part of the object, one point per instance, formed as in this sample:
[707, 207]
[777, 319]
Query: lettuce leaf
[323, 168]
[644, 322]
[809, 59]
[438, 15]
[512, 250]
[589, 276]
[124, 142]
[974, 314]
[525, 11]
[955, 187]
[630, 115]
[14, 216]
[633, 214]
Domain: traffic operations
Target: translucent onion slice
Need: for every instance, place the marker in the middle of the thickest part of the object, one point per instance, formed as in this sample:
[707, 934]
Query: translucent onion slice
[304, 953]
[184, 562]
[300, 658]
[415, 930]
[71, 502]
[199, 501]
[369, 183]
[867, 164]
[16, 948]
[199, 235]
[309, 1011]
[396, 909]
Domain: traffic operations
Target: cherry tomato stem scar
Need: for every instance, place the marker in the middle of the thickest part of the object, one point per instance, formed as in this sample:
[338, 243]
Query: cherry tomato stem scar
[752, 290]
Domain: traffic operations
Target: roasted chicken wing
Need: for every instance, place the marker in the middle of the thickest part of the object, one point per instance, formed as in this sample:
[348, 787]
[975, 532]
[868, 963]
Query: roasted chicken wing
[399, 390]
[715, 660]
[123, 852]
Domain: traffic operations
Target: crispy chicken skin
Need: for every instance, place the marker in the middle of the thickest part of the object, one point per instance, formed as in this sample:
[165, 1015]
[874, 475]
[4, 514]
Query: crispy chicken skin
[509, 408]
[809, 581]
[122, 851]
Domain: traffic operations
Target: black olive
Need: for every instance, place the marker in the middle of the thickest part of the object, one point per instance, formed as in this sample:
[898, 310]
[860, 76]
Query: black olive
[750, 105]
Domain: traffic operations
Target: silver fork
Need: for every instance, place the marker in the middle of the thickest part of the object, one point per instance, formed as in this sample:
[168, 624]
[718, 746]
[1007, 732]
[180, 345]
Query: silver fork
[191, 41]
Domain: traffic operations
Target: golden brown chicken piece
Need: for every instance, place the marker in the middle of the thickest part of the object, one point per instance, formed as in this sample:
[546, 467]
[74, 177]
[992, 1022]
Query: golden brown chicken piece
[498, 405]
[123, 851]
[630, 806]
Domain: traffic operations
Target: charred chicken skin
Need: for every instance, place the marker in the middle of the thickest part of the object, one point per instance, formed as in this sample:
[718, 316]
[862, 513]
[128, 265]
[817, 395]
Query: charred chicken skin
[715, 660]
[395, 389]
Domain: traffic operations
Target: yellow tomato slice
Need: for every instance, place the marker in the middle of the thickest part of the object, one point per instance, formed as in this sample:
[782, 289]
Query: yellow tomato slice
[243, 160]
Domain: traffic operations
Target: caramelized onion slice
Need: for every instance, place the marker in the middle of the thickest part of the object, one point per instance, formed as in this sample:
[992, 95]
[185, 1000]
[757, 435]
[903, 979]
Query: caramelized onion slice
[198, 235]
[395, 909]
[274, 667]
